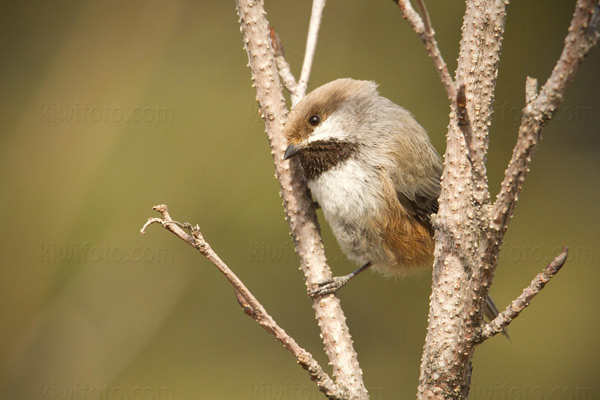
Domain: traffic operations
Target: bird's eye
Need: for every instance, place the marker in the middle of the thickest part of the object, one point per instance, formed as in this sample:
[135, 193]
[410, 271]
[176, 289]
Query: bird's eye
[314, 120]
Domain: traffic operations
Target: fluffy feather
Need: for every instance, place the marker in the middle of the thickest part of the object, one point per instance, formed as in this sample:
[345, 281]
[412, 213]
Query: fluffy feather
[376, 179]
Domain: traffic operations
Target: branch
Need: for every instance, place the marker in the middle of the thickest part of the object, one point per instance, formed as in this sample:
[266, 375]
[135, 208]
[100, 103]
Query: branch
[297, 202]
[249, 303]
[422, 26]
[584, 32]
[514, 309]
[285, 73]
[425, 17]
[475, 157]
[311, 45]
[469, 231]
[455, 310]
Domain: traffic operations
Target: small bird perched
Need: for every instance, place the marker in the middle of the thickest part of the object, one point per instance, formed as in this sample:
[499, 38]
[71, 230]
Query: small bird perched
[373, 171]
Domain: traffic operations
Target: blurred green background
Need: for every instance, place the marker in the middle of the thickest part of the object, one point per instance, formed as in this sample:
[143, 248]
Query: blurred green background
[108, 108]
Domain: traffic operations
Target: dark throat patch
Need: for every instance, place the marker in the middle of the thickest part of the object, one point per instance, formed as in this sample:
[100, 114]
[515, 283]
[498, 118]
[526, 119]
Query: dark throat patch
[321, 156]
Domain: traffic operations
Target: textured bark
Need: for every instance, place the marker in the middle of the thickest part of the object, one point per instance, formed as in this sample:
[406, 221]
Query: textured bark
[455, 309]
[469, 229]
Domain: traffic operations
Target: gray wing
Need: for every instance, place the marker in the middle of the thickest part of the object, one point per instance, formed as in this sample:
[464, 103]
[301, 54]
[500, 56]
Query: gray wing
[417, 177]
[422, 201]
[417, 167]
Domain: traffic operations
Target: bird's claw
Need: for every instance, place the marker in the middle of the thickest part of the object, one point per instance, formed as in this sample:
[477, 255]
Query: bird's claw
[328, 286]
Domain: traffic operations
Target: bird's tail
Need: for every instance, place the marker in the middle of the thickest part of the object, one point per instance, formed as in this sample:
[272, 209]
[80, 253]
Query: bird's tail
[491, 312]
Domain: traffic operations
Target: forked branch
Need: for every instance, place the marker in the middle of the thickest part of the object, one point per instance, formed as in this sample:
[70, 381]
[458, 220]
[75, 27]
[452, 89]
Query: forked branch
[469, 229]
[584, 32]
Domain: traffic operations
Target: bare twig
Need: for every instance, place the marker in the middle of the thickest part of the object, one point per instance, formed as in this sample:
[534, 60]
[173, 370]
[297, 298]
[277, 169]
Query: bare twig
[285, 73]
[422, 26]
[425, 17]
[250, 304]
[583, 35]
[520, 303]
[311, 45]
[297, 202]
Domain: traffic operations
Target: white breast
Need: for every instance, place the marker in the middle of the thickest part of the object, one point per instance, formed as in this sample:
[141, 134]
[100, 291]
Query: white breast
[349, 203]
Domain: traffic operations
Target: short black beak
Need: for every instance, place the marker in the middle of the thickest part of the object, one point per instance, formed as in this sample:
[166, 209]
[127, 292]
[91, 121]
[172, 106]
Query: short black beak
[292, 150]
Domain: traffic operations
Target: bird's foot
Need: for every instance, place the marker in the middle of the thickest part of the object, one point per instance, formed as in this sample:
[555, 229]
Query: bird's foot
[329, 286]
[332, 285]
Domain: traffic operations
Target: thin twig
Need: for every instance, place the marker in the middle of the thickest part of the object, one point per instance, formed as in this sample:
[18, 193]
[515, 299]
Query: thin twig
[422, 26]
[311, 45]
[425, 17]
[514, 309]
[584, 32]
[285, 73]
[250, 304]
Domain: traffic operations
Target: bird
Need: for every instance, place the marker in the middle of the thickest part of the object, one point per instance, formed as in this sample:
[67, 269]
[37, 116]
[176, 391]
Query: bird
[374, 172]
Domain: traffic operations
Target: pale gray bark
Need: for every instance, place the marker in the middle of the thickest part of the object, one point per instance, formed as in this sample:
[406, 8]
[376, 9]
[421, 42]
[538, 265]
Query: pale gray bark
[469, 228]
